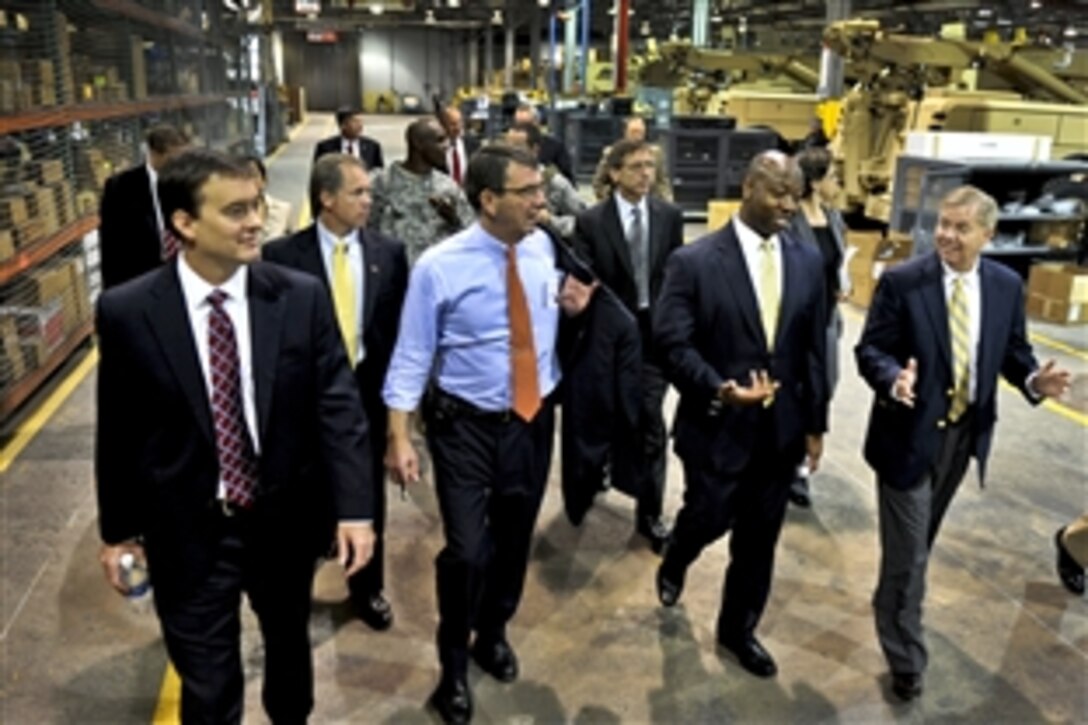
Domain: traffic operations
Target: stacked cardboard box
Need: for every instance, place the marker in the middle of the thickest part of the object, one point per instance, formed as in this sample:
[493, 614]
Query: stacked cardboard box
[40, 76]
[1058, 293]
[7, 245]
[42, 204]
[12, 365]
[39, 330]
[869, 254]
[64, 51]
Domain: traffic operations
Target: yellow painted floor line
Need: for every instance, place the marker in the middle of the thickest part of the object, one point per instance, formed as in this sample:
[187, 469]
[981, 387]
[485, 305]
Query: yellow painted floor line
[1058, 345]
[37, 420]
[169, 707]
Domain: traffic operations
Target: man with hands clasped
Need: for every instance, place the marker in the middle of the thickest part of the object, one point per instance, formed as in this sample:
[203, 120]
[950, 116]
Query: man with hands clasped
[741, 330]
[940, 330]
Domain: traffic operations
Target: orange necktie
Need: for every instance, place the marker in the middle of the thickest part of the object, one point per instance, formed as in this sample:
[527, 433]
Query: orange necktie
[526, 387]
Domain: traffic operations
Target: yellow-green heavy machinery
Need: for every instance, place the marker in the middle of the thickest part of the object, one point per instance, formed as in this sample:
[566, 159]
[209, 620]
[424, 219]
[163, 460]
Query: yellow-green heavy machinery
[908, 83]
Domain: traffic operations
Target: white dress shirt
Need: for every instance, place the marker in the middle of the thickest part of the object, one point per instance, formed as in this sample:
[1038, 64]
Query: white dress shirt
[328, 242]
[627, 217]
[195, 289]
[457, 148]
[350, 147]
[154, 176]
[973, 289]
[750, 242]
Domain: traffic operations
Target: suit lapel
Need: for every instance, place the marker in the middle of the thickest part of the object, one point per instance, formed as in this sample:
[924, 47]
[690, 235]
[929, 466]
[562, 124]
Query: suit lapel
[308, 254]
[168, 319]
[658, 242]
[613, 229]
[791, 275]
[265, 319]
[372, 273]
[739, 282]
[936, 307]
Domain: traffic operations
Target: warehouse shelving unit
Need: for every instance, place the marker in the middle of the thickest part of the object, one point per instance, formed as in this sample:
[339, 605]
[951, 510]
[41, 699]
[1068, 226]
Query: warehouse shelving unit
[80, 82]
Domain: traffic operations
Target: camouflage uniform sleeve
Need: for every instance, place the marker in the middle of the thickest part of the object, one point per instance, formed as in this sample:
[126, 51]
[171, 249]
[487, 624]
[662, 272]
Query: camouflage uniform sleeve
[564, 204]
[464, 209]
[378, 201]
[662, 186]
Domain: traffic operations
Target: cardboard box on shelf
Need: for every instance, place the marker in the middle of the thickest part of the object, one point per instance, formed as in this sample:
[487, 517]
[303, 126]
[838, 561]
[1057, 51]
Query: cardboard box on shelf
[81, 298]
[1069, 283]
[64, 198]
[1039, 278]
[7, 245]
[40, 329]
[29, 233]
[43, 207]
[13, 211]
[1056, 234]
[42, 284]
[47, 171]
[12, 364]
[869, 255]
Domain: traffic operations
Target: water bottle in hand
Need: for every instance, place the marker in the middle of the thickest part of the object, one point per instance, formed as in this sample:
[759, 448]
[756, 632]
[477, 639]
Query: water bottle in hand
[137, 583]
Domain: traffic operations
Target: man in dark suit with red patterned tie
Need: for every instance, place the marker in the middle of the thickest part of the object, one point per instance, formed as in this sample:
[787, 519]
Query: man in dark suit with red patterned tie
[461, 146]
[133, 237]
[231, 443]
[351, 141]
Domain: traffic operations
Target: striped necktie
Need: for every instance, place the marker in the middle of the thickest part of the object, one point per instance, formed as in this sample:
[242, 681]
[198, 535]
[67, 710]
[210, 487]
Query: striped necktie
[959, 327]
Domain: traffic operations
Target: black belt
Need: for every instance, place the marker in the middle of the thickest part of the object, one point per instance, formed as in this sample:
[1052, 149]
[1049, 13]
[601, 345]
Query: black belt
[445, 405]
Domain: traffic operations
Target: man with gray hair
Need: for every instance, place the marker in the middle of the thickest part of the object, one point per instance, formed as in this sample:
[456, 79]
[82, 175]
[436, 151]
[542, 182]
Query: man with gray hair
[940, 329]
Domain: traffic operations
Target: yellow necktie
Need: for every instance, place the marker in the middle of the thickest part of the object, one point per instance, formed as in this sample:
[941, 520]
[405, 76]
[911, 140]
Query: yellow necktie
[343, 298]
[769, 292]
[959, 325]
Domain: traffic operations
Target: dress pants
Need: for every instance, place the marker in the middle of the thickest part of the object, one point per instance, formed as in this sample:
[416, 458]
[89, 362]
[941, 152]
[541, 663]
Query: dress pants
[202, 630]
[652, 432]
[370, 580]
[909, 521]
[490, 472]
[751, 502]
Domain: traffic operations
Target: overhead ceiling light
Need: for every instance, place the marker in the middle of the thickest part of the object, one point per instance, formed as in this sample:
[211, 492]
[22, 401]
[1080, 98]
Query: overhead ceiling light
[1036, 4]
[1070, 32]
[644, 27]
[377, 9]
[496, 18]
[453, 3]
[429, 17]
[544, 3]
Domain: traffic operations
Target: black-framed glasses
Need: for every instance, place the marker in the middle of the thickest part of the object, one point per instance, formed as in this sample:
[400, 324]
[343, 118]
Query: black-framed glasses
[529, 191]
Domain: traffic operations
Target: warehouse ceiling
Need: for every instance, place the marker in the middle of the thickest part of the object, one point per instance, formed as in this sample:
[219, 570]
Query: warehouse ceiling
[1058, 20]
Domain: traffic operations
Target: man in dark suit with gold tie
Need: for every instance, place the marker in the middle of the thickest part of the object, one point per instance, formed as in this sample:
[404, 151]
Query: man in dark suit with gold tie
[741, 330]
[940, 330]
[365, 273]
[231, 443]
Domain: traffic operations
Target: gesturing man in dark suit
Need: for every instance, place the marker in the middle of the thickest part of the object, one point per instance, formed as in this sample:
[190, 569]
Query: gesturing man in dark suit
[366, 274]
[626, 239]
[940, 330]
[132, 232]
[351, 141]
[743, 305]
[231, 443]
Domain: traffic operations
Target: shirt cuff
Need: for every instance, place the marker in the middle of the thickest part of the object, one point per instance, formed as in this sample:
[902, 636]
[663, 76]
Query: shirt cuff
[355, 521]
[1029, 388]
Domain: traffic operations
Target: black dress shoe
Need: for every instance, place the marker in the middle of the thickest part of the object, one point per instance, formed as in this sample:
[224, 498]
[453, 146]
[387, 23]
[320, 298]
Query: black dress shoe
[375, 611]
[1069, 571]
[751, 655]
[496, 658]
[669, 586]
[655, 531]
[906, 685]
[799, 495]
[452, 701]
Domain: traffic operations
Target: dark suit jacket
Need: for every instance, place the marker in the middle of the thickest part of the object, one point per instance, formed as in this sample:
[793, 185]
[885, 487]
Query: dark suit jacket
[128, 229]
[909, 318]
[156, 462]
[552, 152]
[599, 238]
[370, 151]
[386, 280]
[707, 330]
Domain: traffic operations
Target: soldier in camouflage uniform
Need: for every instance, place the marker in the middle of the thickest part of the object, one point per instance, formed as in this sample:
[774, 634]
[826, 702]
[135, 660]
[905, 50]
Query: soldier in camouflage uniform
[414, 200]
[563, 202]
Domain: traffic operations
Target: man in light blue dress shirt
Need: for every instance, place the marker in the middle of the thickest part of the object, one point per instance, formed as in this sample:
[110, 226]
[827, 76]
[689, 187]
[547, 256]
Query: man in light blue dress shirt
[460, 341]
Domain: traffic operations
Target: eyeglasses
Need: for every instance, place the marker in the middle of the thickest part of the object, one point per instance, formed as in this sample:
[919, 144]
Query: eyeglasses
[639, 166]
[525, 192]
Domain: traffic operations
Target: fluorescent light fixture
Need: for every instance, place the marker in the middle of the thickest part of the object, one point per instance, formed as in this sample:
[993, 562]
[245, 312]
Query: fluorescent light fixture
[496, 18]
[544, 3]
[429, 17]
[377, 9]
[453, 3]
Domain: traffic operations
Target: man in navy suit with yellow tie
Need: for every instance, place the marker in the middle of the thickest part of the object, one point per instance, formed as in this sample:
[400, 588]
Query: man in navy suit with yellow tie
[740, 328]
[941, 329]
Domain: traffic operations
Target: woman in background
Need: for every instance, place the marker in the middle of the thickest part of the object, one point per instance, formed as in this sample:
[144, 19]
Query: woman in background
[817, 222]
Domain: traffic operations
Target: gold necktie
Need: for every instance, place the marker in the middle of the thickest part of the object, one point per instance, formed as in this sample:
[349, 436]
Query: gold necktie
[343, 298]
[959, 327]
[769, 292]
